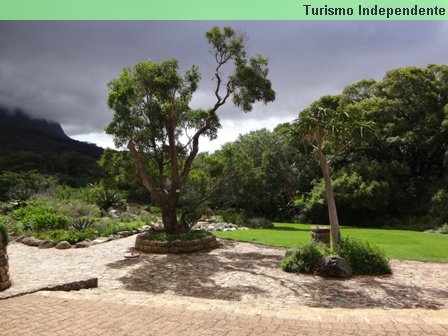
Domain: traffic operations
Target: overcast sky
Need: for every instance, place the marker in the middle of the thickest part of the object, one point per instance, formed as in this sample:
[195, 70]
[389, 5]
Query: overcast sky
[59, 70]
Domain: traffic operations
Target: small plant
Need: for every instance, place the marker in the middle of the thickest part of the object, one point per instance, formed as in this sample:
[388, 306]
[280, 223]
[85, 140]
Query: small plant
[81, 223]
[20, 194]
[68, 235]
[363, 257]
[107, 198]
[155, 210]
[4, 233]
[304, 259]
[189, 235]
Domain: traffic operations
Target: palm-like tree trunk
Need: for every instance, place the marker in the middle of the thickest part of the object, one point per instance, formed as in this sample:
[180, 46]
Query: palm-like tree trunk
[332, 211]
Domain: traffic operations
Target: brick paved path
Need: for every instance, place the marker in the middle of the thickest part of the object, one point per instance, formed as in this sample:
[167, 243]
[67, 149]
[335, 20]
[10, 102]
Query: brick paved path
[37, 314]
[237, 289]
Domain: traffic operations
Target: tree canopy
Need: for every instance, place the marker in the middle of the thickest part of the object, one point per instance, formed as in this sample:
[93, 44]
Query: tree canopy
[153, 117]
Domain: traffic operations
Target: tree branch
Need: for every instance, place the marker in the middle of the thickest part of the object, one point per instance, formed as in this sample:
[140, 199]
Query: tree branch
[142, 174]
[339, 152]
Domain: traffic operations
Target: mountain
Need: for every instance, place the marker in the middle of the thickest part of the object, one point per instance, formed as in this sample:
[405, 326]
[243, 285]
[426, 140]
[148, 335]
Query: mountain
[19, 120]
[28, 143]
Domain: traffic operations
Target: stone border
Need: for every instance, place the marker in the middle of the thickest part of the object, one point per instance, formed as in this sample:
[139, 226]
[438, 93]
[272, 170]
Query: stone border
[5, 281]
[66, 287]
[45, 244]
[175, 246]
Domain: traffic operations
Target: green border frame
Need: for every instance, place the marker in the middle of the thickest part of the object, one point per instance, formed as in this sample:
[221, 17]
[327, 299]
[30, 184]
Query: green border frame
[209, 9]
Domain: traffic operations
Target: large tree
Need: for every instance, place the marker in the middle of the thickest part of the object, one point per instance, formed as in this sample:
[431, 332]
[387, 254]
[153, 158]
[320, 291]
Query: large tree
[153, 118]
[329, 127]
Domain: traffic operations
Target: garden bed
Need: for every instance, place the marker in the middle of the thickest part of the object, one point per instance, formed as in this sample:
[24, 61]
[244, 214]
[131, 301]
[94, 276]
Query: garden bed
[160, 242]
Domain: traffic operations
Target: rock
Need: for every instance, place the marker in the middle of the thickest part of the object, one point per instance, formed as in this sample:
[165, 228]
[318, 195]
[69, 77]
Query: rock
[124, 233]
[83, 244]
[100, 240]
[31, 241]
[63, 245]
[19, 239]
[46, 244]
[114, 213]
[335, 267]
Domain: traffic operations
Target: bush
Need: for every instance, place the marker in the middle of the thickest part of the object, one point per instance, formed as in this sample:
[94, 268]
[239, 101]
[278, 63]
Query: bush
[189, 235]
[40, 218]
[107, 226]
[234, 217]
[304, 258]
[32, 180]
[363, 257]
[20, 194]
[79, 208]
[443, 229]
[259, 223]
[68, 235]
[4, 232]
[155, 210]
[107, 198]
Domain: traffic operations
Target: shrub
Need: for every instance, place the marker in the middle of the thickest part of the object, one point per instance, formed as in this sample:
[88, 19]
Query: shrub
[304, 258]
[79, 208]
[68, 235]
[40, 218]
[238, 218]
[155, 210]
[443, 229]
[259, 223]
[13, 226]
[107, 198]
[363, 257]
[107, 226]
[81, 223]
[65, 193]
[20, 194]
[189, 235]
[4, 232]
[32, 180]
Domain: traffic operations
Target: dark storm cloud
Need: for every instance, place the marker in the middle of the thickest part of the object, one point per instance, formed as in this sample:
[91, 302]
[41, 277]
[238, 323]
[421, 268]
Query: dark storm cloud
[59, 70]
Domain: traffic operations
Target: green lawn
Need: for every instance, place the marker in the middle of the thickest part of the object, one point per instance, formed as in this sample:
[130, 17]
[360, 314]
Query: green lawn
[398, 244]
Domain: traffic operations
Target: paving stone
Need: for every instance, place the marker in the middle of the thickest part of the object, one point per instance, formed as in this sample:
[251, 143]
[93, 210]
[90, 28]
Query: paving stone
[237, 280]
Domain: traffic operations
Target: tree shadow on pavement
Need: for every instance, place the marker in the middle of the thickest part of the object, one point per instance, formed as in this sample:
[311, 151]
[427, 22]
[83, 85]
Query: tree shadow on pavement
[191, 274]
[230, 273]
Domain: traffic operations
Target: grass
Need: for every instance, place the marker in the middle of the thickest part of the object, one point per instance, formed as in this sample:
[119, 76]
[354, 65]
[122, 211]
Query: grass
[398, 244]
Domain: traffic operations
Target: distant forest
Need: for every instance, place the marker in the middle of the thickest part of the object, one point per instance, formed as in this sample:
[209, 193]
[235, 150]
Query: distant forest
[398, 177]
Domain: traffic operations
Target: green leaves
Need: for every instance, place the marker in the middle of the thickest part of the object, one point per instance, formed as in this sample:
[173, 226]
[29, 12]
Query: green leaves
[331, 126]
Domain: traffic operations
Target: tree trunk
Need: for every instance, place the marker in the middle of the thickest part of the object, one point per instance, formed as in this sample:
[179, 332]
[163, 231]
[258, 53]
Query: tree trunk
[332, 211]
[169, 216]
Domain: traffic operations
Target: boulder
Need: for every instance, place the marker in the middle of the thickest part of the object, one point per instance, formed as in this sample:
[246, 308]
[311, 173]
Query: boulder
[19, 239]
[46, 244]
[124, 233]
[83, 244]
[114, 213]
[31, 241]
[63, 245]
[334, 267]
[100, 240]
